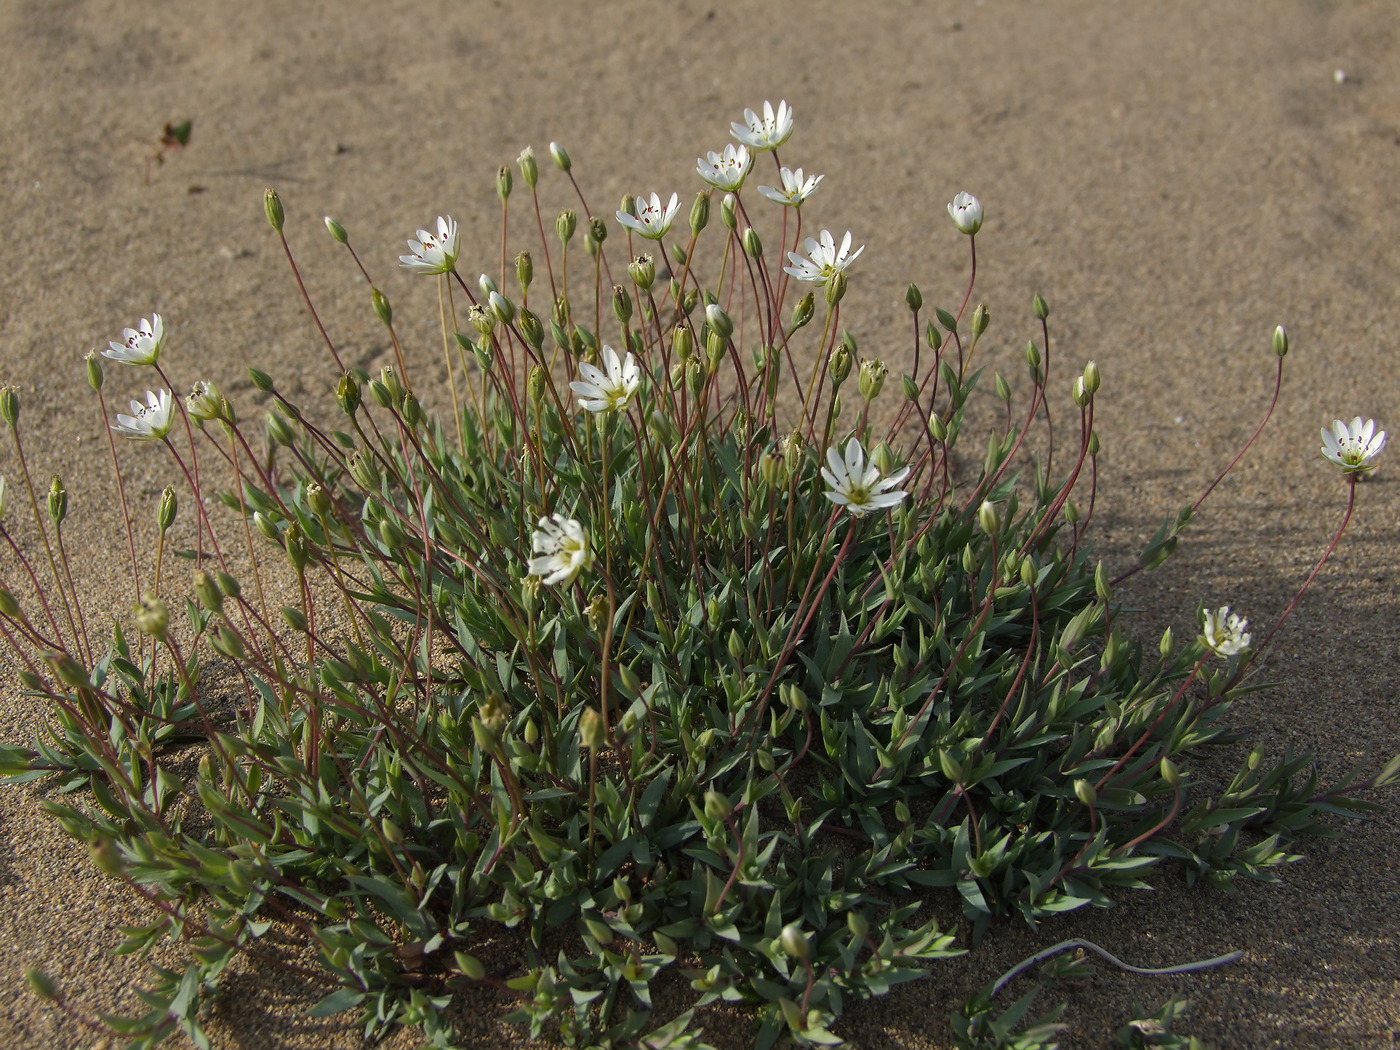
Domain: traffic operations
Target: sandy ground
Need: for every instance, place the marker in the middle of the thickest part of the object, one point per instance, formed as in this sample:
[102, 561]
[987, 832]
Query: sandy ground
[1175, 178]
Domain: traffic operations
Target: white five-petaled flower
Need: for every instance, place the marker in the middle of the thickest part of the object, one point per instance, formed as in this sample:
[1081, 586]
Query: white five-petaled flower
[726, 170]
[433, 253]
[1353, 447]
[1223, 632]
[610, 387]
[764, 132]
[561, 550]
[148, 421]
[857, 486]
[795, 188]
[140, 345]
[966, 211]
[652, 220]
[826, 260]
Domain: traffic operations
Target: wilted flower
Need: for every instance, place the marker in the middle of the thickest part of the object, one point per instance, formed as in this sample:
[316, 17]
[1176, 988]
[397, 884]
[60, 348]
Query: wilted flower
[561, 550]
[966, 211]
[610, 387]
[857, 486]
[204, 402]
[826, 261]
[766, 132]
[140, 345]
[1353, 447]
[795, 188]
[1223, 632]
[149, 421]
[433, 253]
[652, 220]
[725, 170]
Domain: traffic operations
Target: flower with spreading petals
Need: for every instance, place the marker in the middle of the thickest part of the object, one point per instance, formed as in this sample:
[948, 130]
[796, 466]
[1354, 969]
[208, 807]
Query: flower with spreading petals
[433, 253]
[764, 132]
[1353, 447]
[826, 261]
[652, 220]
[725, 171]
[966, 211]
[140, 345]
[1223, 632]
[149, 421]
[856, 485]
[561, 550]
[795, 188]
[610, 387]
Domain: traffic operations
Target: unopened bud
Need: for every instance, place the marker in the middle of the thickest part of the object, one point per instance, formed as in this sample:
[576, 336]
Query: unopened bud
[565, 224]
[503, 183]
[279, 431]
[1280, 341]
[836, 289]
[207, 591]
[529, 170]
[700, 212]
[502, 307]
[980, 319]
[165, 510]
[913, 298]
[58, 501]
[9, 405]
[591, 731]
[272, 205]
[337, 231]
[717, 807]
[524, 271]
[795, 942]
[753, 243]
[1084, 791]
[682, 342]
[261, 380]
[989, 518]
[152, 616]
[838, 366]
[719, 321]
[622, 304]
[1091, 378]
[803, 311]
[1041, 307]
[382, 309]
[94, 370]
[560, 156]
[726, 212]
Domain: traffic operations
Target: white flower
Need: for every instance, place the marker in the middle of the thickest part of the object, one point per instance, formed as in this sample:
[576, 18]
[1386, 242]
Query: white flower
[561, 550]
[610, 387]
[725, 170]
[1353, 447]
[826, 262]
[652, 220]
[966, 211]
[795, 189]
[149, 421]
[766, 132]
[1223, 632]
[433, 253]
[204, 402]
[858, 487]
[140, 345]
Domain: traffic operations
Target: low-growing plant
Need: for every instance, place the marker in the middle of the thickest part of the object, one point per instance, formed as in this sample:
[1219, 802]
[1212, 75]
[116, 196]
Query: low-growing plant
[685, 660]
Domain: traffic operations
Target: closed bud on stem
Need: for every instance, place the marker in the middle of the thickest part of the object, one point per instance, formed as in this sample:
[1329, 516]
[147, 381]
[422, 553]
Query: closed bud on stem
[1093, 443]
[502, 307]
[700, 213]
[298, 550]
[1028, 573]
[337, 231]
[524, 271]
[1079, 393]
[1003, 388]
[295, 619]
[1279, 342]
[695, 376]
[267, 527]
[207, 591]
[726, 213]
[226, 642]
[412, 409]
[229, 585]
[565, 224]
[94, 370]
[529, 170]
[989, 517]
[933, 336]
[835, 289]
[67, 670]
[628, 204]
[683, 342]
[1040, 307]
[1084, 791]
[717, 807]
[392, 383]
[753, 244]
[950, 766]
[486, 284]
[272, 206]
[794, 942]
[484, 354]
[1167, 644]
[9, 405]
[560, 156]
[735, 646]
[802, 312]
[9, 605]
[503, 183]
[642, 270]
[1169, 772]
[279, 431]
[1033, 356]
[622, 304]
[165, 510]
[909, 388]
[772, 469]
[871, 379]
[719, 321]
[382, 309]
[152, 616]
[937, 427]
[347, 394]
[261, 380]
[40, 983]
[531, 328]
[838, 366]
[1091, 378]
[980, 319]
[883, 458]
[536, 384]
[58, 501]
[591, 731]
[913, 298]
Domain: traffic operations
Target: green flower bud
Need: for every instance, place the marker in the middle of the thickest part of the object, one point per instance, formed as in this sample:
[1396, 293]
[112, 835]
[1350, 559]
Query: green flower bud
[503, 183]
[792, 452]
[726, 213]
[947, 320]
[802, 312]
[295, 619]
[530, 328]
[1091, 378]
[1003, 388]
[272, 205]
[772, 469]
[58, 501]
[9, 405]
[980, 319]
[9, 604]
[628, 204]
[871, 379]
[989, 517]
[913, 298]
[337, 231]
[1079, 393]
[682, 342]
[94, 370]
[1093, 443]
[41, 984]
[536, 384]
[909, 388]
[857, 924]
[753, 244]
[165, 511]
[1033, 356]
[487, 284]
[412, 410]
[261, 380]
[597, 234]
[836, 289]
[391, 381]
[950, 766]
[717, 807]
[560, 157]
[591, 731]
[279, 431]
[937, 427]
[1167, 643]
[347, 394]
[383, 397]
[207, 591]
[364, 470]
[1084, 791]
[1279, 342]
[1041, 307]
[267, 527]
[838, 366]
[229, 585]
[1169, 772]
[502, 307]
[152, 616]
[67, 670]
[794, 942]
[933, 336]
[485, 355]
[298, 549]
[565, 224]
[621, 304]
[719, 321]
[382, 309]
[642, 270]
[524, 271]
[883, 458]
[529, 171]
[700, 212]
[695, 376]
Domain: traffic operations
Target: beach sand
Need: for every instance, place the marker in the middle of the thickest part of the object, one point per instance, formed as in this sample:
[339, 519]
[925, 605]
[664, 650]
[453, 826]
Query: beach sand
[1175, 178]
